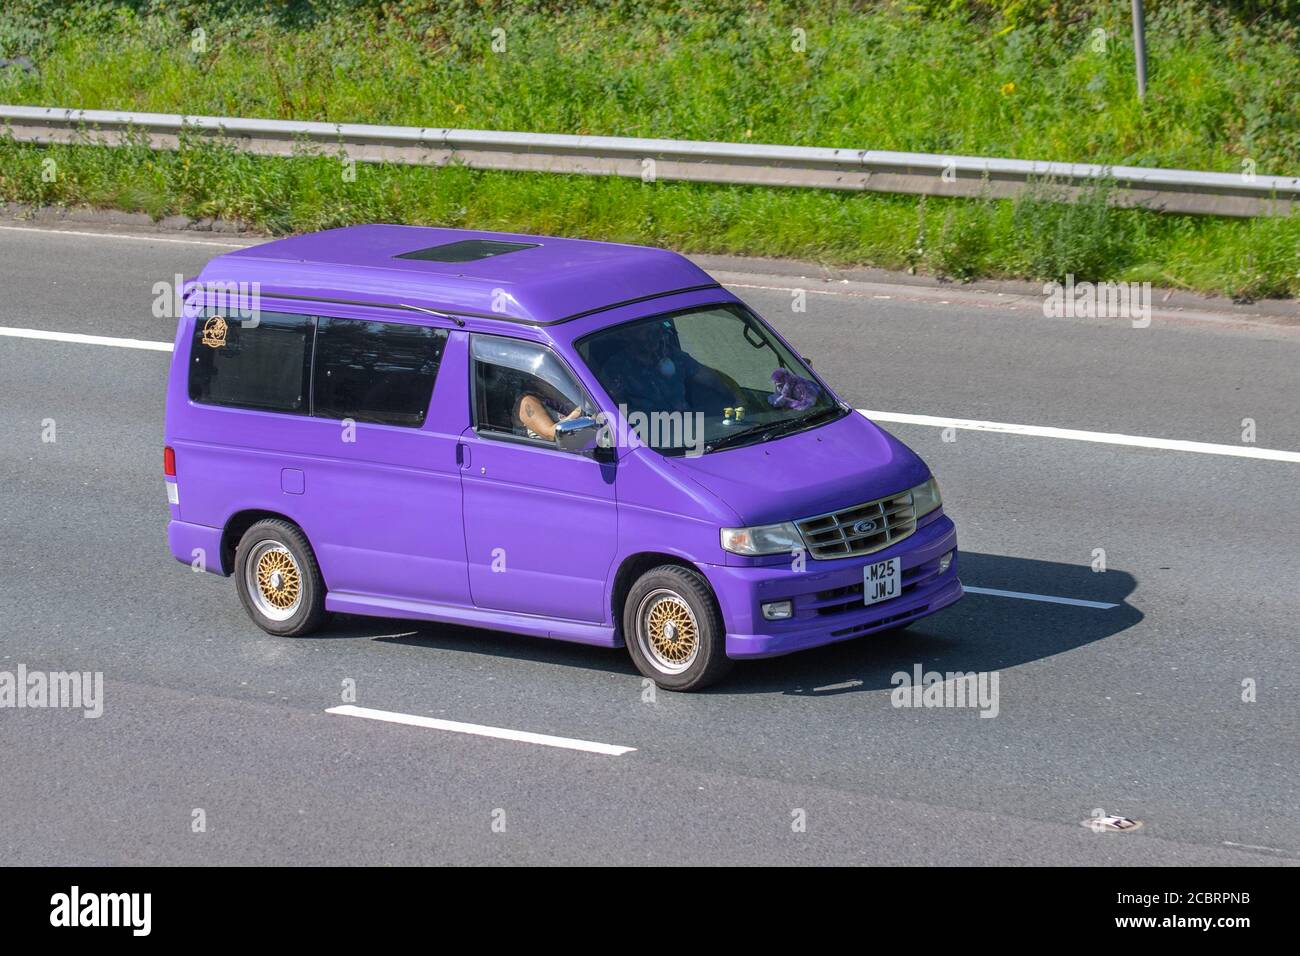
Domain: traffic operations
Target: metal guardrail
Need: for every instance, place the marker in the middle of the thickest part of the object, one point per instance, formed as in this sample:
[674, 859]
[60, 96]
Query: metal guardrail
[1161, 190]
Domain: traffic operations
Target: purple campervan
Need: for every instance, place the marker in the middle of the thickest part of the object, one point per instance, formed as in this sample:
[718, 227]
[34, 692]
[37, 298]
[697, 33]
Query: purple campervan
[569, 439]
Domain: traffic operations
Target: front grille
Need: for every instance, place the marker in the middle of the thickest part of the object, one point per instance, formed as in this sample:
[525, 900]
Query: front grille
[881, 523]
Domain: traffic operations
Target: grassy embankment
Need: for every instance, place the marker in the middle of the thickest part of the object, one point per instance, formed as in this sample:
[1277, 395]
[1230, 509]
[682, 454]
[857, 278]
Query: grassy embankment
[1033, 80]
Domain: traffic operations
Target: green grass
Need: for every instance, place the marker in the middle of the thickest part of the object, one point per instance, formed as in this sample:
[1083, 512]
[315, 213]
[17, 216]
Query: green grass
[1021, 79]
[1033, 237]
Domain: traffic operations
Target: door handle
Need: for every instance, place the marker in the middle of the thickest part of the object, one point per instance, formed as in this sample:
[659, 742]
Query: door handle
[462, 454]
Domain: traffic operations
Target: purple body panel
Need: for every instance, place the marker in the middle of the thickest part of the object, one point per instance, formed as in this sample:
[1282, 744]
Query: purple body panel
[440, 523]
[548, 519]
[805, 474]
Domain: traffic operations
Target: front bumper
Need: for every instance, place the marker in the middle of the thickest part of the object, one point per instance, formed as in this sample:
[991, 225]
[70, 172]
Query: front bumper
[827, 595]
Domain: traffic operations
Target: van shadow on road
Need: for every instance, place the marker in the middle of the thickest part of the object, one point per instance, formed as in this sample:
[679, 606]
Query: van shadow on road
[979, 633]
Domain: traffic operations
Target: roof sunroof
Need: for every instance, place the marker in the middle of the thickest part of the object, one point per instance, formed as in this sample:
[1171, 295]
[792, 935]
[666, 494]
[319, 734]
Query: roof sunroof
[467, 250]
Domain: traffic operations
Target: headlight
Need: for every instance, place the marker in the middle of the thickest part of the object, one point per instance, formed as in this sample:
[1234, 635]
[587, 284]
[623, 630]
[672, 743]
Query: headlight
[765, 539]
[925, 498]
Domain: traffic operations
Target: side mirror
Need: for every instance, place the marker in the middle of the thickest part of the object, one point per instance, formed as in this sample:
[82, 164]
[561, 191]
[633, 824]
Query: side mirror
[577, 434]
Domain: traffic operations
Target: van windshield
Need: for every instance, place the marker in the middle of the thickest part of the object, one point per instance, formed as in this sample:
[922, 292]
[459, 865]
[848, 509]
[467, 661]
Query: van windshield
[705, 379]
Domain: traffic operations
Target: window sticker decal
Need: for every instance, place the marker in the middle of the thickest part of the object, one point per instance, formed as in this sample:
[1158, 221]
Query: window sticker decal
[214, 332]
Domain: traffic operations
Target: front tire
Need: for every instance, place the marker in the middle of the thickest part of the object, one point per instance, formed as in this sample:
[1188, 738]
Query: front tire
[673, 629]
[278, 579]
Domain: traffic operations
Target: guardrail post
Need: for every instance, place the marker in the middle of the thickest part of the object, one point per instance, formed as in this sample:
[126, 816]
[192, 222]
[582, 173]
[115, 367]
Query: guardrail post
[1140, 47]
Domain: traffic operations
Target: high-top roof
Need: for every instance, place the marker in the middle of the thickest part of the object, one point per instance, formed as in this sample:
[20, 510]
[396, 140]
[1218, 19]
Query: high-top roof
[533, 279]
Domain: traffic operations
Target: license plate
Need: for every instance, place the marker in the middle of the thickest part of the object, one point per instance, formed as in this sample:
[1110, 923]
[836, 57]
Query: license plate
[882, 581]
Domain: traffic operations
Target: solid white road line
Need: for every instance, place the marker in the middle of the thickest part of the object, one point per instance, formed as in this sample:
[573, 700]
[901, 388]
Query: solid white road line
[902, 418]
[127, 236]
[784, 288]
[1045, 598]
[79, 339]
[478, 730]
[1074, 434]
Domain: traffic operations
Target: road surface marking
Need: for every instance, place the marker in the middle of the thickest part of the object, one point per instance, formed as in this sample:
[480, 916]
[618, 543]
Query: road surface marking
[901, 418]
[124, 235]
[79, 339]
[784, 288]
[1074, 434]
[478, 730]
[1045, 598]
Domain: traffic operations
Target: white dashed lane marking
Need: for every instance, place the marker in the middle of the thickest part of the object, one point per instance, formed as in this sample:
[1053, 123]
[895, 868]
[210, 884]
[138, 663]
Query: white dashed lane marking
[479, 730]
[1044, 598]
[901, 418]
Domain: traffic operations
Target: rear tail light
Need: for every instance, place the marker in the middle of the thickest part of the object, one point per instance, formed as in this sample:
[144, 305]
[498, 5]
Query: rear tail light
[169, 462]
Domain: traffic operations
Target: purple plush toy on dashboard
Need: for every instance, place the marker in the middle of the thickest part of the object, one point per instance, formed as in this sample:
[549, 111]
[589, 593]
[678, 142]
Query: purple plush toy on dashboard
[792, 391]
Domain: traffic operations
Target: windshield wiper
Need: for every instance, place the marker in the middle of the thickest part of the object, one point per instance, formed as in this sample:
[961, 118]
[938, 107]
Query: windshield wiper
[771, 429]
[808, 421]
[733, 438]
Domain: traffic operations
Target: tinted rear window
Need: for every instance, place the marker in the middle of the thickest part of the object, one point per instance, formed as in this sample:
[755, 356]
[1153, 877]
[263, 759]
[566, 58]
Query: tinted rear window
[262, 364]
[375, 371]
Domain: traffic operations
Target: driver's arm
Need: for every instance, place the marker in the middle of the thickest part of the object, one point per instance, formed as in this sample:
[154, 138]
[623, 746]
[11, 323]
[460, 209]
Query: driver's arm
[537, 419]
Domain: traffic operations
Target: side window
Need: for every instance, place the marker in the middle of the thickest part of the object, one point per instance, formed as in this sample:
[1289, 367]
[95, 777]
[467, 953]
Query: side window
[263, 364]
[509, 371]
[375, 371]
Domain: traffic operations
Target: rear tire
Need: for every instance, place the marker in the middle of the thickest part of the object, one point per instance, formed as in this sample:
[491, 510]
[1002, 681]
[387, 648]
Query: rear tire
[674, 630]
[278, 579]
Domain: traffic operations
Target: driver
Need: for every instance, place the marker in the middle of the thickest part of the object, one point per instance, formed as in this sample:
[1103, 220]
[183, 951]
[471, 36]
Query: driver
[651, 372]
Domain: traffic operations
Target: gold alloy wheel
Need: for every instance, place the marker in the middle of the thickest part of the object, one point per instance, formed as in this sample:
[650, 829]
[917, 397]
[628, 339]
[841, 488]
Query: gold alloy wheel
[274, 580]
[667, 631]
[277, 579]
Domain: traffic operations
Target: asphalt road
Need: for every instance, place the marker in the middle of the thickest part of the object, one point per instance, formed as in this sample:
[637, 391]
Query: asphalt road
[1135, 709]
